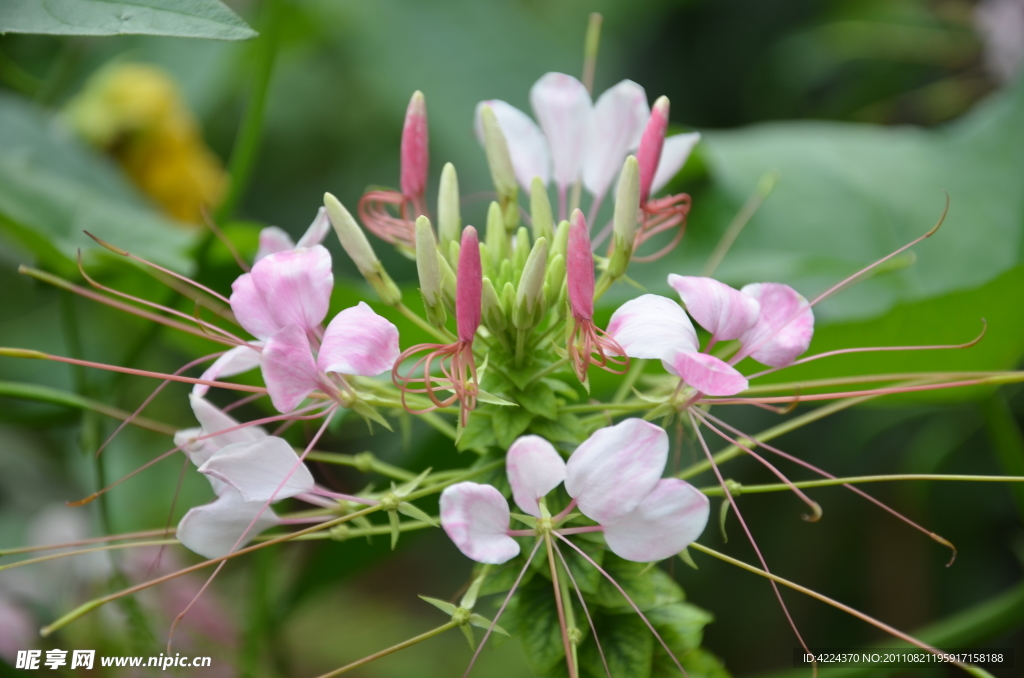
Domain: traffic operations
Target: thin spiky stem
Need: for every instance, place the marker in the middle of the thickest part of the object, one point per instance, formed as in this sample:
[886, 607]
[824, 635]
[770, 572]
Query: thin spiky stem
[583, 604]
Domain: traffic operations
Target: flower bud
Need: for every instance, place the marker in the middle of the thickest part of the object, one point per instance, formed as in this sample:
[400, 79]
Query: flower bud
[530, 295]
[493, 313]
[508, 296]
[448, 279]
[627, 210]
[579, 268]
[521, 251]
[415, 157]
[358, 248]
[554, 281]
[468, 286]
[649, 154]
[540, 210]
[449, 222]
[497, 240]
[430, 272]
[561, 241]
[500, 162]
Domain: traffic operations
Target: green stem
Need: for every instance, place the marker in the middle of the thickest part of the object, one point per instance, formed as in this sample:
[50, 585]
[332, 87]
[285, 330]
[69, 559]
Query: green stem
[555, 580]
[366, 462]
[394, 648]
[609, 407]
[549, 370]
[738, 489]
[442, 335]
[603, 283]
[733, 451]
[1007, 441]
[520, 346]
[45, 394]
[636, 368]
[764, 188]
[247, 143]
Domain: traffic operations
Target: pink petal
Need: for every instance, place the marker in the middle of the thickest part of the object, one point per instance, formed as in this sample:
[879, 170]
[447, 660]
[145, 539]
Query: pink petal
[708, 374]
[652, 326]
[360, 342]
[784, 328]
[526, 143]
[286, 288]
[288, 368]
[579, 268]
[476, 518]
[211, 530]
[663, 524]
[415, 157]
[563, 109]
[615, 468]
[257, 470]
[236, 361]
[724, 312]
[213, 420]
[534, 468]
[273, 240]
[674, 154]
[648, 156]
[620, 115]
[468, 286]
[317, 231]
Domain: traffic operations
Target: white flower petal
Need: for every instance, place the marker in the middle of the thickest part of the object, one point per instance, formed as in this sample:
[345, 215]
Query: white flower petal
[213, 420]
[615, 468]
[526, 143]
[317, 231]
[674, 155]
[724, 312]
[563, 109]
[652, 326]
[259, 470]
[476, 518]
[534, 468]
[236, 361]
[211, 530]
[619, 118]
[670, 517]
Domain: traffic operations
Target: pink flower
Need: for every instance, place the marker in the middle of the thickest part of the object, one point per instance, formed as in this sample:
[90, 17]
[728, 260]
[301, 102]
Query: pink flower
[274, 239]
[410, 201]
[772, 322]
[577, 139]
[614, 478]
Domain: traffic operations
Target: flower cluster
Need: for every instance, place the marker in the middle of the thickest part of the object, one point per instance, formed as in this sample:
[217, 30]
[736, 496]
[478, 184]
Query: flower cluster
[614, 478]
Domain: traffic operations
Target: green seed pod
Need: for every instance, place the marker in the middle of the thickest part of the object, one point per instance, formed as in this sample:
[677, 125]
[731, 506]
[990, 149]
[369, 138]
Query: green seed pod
[540, 211]
[429, 269]
[449, 221]
[358, 248]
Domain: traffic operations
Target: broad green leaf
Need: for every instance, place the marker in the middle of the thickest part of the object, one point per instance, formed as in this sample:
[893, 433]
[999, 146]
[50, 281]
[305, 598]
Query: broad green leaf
[698, 664]
[680, 625]
[52, 189]
[647, 589]
[478, 434]
[628, 646]
[509, 423]
[539, 399]
[181, 18]
[566, 429]
[537, 628]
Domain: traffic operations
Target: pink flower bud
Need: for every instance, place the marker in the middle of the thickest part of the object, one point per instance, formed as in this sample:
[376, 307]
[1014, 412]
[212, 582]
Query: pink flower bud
[649, 153]
[468, 286]
[415, 156]
[579, 268]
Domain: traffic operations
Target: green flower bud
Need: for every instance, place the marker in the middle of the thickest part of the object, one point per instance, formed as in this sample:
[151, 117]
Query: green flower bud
[496, 239]
[491, 311]
[358, 248]
[508, 296]
[561, 242]
[500, 162]
[447, 283]
[521, 251]
[530, 300]
[627, 209]
[429, 268]
[449, 221]
[554, 281]
[540, 211]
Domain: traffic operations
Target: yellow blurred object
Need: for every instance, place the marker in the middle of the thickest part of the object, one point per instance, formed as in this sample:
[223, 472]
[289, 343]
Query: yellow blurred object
[135, 113]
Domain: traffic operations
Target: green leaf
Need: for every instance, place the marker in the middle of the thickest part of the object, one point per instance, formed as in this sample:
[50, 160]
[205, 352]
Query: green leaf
[478, 434]
[680, 625]
[628, 647]
[442, 605]
[562, 388]
[698, 664]
[648, 590]
[502, 578]
[482, 622]
[540, 400]
[407, 509]
[52, 189]
[566, 429]
[536, 618]
[181, 18]
[509, 423]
